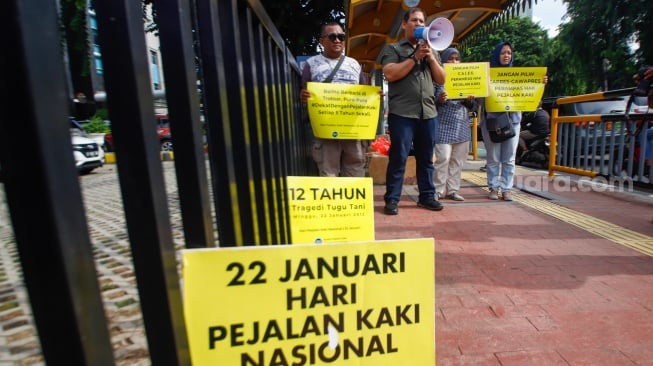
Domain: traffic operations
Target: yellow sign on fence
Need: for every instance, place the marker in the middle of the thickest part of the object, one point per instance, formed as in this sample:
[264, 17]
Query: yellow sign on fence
[515, 89]
[344, 111]
[330, 209]
[363, 304]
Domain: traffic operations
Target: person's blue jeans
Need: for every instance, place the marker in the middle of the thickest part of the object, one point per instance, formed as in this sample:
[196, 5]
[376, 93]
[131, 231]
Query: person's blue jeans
[500, 160]
[649, 144]
[420, 135]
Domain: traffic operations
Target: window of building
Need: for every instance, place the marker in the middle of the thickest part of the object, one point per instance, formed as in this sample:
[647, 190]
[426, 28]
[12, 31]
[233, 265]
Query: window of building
[154, 69]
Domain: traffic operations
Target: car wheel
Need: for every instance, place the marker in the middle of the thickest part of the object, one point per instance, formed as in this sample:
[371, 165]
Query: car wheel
[166, 145]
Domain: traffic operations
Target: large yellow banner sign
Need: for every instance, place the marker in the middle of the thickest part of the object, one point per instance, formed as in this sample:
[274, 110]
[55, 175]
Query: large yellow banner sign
[363, 304]
[344, 111]
[514, 89]
[330, 209]
[465, 79]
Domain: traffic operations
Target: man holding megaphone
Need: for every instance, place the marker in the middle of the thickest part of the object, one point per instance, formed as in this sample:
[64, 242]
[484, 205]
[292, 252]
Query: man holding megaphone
[411, 67]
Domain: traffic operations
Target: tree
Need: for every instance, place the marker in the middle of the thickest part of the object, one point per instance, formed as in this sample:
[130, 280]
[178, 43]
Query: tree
[565, 73]
[643, 16]
[528, 39]
[299, 21]
[598, 35]
[75, 33]
[531, 44]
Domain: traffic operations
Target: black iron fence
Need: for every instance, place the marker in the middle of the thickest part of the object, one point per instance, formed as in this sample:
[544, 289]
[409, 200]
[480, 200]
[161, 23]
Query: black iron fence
[250, 85]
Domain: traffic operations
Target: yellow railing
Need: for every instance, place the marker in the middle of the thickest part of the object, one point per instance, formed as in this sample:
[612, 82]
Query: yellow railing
[609, 135]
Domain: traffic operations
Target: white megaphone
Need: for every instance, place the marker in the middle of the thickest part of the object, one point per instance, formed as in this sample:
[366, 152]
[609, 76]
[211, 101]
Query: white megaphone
[438, 34]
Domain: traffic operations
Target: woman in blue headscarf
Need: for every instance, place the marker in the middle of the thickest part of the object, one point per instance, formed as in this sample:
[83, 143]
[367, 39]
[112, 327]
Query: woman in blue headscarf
[501, 155]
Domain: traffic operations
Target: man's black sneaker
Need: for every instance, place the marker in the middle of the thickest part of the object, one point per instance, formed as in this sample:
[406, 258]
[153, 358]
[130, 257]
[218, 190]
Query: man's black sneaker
[432, 205]
[391, 208]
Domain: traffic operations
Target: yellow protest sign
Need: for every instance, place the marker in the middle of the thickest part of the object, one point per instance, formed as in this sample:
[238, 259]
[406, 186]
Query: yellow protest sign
[330, 209]
[343, 111]
[465, 79]
[515, 89]
[363, 304]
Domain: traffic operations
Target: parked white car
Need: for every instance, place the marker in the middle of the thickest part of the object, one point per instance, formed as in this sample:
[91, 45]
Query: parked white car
[87, 152]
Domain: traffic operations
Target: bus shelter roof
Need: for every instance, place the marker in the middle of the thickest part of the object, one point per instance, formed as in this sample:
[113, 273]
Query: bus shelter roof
[373, 23]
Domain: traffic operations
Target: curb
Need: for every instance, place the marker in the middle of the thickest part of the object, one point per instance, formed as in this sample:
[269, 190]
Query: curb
[167, 155]
[110, 158]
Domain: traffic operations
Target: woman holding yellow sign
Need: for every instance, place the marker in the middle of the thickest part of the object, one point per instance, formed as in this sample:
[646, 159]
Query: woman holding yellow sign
[501, 155]
[453, 136]
[335, 157]
[501, 146]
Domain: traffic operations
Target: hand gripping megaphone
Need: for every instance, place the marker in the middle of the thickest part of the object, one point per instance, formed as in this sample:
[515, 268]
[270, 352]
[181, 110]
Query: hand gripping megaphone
[438, 34]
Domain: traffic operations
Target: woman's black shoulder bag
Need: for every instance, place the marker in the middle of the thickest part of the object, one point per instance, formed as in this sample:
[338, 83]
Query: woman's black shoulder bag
[500, 127]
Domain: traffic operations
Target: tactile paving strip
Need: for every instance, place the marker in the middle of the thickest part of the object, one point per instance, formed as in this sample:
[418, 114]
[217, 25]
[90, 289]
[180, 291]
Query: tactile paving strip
[615, 233]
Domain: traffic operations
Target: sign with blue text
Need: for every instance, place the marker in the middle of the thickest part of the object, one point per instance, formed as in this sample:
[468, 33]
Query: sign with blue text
[330, 209]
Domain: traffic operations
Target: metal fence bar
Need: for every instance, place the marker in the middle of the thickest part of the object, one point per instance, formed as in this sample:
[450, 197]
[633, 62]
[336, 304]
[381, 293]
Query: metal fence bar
[43, 191]
[255, 140]
[279, 154]
[270, 164]
[258, 129]
[181, 75]
[228, 147]
[218, 130]
[130, 102]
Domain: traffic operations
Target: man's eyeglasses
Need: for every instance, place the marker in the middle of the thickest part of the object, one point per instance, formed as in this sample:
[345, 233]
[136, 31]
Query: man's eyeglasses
[332, 37]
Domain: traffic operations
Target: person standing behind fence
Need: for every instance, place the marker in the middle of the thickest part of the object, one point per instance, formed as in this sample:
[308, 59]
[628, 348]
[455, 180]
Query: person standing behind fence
[335, 157]
[501, 155]
[454, 134]
[411, 68]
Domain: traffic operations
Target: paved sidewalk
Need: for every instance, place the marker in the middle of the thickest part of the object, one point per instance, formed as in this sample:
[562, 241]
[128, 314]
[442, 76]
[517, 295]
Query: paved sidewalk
[516, 285]
[555, 277]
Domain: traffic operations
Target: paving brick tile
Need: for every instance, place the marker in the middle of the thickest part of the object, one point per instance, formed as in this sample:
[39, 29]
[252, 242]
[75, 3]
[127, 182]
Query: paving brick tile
[522, 311]
[533, 297]
[535, 357]
[468, 360]
[447, 300]
[639, 354]
[479, 319]
[597, 356]
[490, 299]
[456, 315]
[483, 342]
[543, 323]
[446, 347]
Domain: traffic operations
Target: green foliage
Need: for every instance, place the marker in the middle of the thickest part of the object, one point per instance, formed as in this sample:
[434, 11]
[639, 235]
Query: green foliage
[529, 41]
[102, 113]
[602, 30]
[299, 21]
[565, 74]
[74, 27]
[532, 47]
[642, 20]
[96, 125]
[74, 33]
